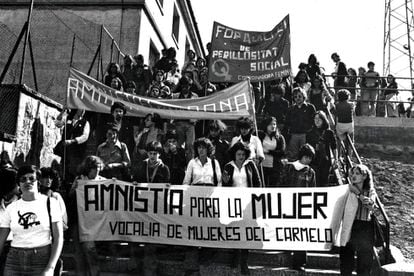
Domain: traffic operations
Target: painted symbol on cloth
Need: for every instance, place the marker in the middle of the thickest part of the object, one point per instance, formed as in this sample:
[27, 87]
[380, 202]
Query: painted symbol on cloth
[221, 68]
[28, 219]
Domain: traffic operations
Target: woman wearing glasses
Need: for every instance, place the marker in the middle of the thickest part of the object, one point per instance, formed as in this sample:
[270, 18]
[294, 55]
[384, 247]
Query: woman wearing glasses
[33, 223]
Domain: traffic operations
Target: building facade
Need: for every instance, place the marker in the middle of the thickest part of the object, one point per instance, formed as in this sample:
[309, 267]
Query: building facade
[134, 26]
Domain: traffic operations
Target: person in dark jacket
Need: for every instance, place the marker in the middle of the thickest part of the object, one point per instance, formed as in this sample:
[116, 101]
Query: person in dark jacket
[241, 172]
[153, 170]
[277, 106]
[274, 148]
[174, 157]
[322, 138]
[300, 174]
[299, 121]
[73, 145]
[215, 130]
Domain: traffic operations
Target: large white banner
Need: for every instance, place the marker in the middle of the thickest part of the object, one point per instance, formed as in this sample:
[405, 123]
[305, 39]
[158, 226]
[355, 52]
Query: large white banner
[253, 218]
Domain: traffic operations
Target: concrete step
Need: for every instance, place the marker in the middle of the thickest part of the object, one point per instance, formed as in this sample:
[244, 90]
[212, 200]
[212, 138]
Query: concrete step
[123, 261]
[169, 269]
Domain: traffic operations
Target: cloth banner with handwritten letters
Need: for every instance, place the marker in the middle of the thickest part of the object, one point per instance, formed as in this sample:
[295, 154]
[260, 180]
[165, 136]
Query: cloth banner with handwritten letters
[260, 56]
[222, 217]
[232, 103]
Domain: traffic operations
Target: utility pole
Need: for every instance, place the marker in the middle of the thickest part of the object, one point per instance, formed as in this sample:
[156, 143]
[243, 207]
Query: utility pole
[398, 40]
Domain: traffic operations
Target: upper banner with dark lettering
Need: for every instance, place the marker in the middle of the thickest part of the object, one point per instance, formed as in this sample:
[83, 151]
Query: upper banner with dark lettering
[251, 218]
[87, 93]
[261, 56]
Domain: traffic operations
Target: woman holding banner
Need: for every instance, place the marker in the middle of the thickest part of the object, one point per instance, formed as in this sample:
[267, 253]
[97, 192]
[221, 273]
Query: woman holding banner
[241, 172]
[88, 257]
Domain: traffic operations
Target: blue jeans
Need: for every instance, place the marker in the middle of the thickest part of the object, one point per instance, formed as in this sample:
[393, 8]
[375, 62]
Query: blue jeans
[186, 135]
[27, 261]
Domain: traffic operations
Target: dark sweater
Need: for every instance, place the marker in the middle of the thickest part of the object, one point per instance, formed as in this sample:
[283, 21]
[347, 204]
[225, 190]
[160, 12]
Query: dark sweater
[253, 176]
[146, 175]
[300, 120]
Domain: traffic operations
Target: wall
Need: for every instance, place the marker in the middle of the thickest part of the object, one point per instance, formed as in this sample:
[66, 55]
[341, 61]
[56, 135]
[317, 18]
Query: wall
[388, 138]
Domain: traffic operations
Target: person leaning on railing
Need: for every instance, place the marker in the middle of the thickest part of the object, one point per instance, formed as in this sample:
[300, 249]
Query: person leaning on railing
[390, 93]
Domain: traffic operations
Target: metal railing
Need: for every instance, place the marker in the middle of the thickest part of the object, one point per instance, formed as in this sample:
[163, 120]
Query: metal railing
[348, 147]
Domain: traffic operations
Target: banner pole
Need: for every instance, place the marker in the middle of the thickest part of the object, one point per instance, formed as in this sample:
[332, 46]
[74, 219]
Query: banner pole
[255, 125]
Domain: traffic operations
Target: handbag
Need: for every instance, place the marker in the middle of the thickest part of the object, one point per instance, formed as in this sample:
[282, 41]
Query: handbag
[59, 264]
[379, 232]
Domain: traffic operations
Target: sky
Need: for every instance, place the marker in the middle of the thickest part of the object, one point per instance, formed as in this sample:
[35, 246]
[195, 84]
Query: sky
[352, 28]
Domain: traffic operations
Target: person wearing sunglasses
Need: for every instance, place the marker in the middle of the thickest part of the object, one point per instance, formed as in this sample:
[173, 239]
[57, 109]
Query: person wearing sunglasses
[34, 220]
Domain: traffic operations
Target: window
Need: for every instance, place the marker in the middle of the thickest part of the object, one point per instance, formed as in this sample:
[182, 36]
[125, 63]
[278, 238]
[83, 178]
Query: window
[176, 25]
[154, 55]
[187, 47]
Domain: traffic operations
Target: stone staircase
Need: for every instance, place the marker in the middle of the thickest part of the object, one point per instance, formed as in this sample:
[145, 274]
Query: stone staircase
[170, 261]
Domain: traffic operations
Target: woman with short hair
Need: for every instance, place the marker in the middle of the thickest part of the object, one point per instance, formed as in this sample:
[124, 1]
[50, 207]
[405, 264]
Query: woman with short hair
[36, 224]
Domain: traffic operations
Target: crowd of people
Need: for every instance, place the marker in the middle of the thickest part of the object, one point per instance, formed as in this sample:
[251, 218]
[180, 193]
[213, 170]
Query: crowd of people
[293, 144]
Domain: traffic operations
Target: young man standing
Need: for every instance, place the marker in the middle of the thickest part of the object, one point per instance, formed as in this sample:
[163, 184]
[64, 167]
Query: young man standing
[114, 154]
[299, 121]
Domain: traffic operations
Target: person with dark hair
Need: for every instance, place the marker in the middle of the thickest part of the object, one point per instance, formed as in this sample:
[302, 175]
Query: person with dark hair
[299, 174]
[127, 125]
[390, 93]
[369, 95]
[215, 129]
[319, 95]
[185, 128]
[277, 106]
[299, 121]
[208, 47]
[274, 148]
[340, 72]
[9, 192]
[165, 62]
[152, 169]
[158, 80]
[207, 87]
[143, 75]
[173, 157]
[73, 145]
[131, 87]
[114, 154]
[114, 71]
[302, 80]
[245, 127]
[33, 220]
[153, 131]
[202, 169]
[49, 185]
[344, 115]
[241, 172]
[7, 174]
[322, 138]
[89, 169]
[190, 64]
[357, 235]
[312, 68]
[117, 84]
[173, 76]
[128, 69]
[351, 82]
